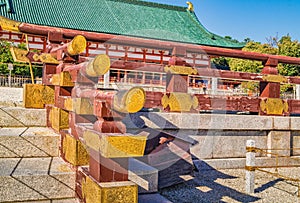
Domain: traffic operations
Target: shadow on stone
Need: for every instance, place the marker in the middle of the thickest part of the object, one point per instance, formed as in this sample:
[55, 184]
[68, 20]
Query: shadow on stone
[204, 188]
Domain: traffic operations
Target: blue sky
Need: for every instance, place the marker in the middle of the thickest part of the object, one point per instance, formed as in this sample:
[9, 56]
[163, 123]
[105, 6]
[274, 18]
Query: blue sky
[254, 19]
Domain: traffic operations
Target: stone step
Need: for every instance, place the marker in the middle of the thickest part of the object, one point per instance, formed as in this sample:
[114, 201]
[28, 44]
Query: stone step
[22, 117]
[28, 142]
[65, 200]
[36, 179]
[144, 175]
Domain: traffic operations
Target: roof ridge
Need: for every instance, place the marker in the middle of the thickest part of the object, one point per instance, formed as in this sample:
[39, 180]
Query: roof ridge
[195, 18]
[153, 4]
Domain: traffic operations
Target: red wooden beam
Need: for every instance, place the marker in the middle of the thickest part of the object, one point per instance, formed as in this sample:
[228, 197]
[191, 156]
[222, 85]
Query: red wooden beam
[216, 51]
[203, 72]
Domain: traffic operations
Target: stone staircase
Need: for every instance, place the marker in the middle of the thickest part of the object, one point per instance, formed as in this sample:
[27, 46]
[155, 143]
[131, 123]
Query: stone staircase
[30, 167]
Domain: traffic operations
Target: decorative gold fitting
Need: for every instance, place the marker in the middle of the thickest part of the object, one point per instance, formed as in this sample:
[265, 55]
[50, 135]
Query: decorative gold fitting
[181, 70]
[274, 106]
[98, 66]
[251, 149]
[77, 45]
[190, 6]
[19, 55]
[250, 168]
[179, 102]
[130, 101]
[9, 25]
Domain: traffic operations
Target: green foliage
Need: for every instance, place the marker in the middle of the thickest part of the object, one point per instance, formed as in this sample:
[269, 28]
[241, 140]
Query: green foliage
[243, 65]
[253, 86]
[19, 68]
[250, 65]
[286, 88]
[5, 56]
[222, 61]
[285, 46]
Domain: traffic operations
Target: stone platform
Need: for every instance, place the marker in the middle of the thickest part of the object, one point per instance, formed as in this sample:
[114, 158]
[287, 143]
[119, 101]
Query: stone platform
[25, 179]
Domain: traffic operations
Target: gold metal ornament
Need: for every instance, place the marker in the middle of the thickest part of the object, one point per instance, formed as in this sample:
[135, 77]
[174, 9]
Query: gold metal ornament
[77, 45]
[19, 55]
[181, 70]
[98, 66]
[190, 6]
[274, 106]
[130, 101]
[9, 25]
[179, 102]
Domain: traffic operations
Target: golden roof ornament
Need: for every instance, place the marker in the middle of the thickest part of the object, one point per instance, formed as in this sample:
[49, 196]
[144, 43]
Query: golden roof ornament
[190, 6]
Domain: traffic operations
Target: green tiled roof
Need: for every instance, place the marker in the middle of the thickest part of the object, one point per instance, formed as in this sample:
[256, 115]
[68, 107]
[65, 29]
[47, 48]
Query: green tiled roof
[121, 17]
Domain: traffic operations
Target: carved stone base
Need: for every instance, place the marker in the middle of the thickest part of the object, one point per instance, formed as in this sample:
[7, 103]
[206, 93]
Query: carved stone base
[91, 191]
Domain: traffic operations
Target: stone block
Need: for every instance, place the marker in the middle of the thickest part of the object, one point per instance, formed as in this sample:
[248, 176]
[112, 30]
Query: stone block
[235, 163]
[203, 149]
[281, 123]
[37, 95]
[67, 200]
[83, 106]
[208, 121]
[74, 151]
[107, 126]
[28, 142]
[279, 142]
[295, 140]
[145, 176]
[107, 169]
[22, 117]
[59, 119]
[33, 179]
[239, 122]
[63, 79]
[110, 192]
[225, 144]
[112, 145]
[234, 146]
[68, 104]
[172, 159]
[295, 123]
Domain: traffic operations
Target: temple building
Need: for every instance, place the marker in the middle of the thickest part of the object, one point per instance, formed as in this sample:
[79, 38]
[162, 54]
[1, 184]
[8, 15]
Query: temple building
[120, 81]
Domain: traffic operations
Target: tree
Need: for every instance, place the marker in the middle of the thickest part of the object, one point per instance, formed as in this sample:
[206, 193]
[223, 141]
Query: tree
[19, 68]
[5, 56]
[287, 47]
[252, 66]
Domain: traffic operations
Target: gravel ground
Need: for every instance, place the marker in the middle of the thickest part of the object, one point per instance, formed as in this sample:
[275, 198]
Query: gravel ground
[229, 186]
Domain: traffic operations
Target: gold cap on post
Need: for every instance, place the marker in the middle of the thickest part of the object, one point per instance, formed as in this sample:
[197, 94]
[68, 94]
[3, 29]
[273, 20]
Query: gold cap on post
[130, 101]
[77, 45]
[98, 66]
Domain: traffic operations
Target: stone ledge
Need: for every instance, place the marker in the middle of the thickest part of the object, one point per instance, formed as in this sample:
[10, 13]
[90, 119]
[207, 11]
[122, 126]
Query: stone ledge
[239, 163]
[215, 121]
[32, 179]
[22, 117]
[68, 200]
[28, 142]
[144, 175]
